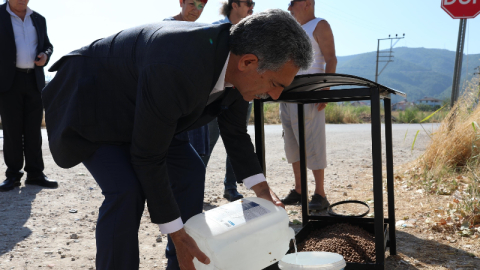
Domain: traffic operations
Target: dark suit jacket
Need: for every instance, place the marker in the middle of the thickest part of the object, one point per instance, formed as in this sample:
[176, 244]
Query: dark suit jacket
[9, 49]
[142, 86]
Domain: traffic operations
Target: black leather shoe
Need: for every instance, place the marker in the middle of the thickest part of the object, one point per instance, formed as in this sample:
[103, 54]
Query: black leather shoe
[42, 181]
[10, 183]
[232, 195]
[292, 198]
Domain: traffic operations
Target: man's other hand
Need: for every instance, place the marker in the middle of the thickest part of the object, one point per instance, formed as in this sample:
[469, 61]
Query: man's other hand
[42, 59]
[321, 106]
[262, 190]
[187, 249]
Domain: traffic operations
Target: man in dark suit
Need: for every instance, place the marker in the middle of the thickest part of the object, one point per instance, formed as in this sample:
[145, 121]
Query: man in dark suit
[116, 105]
[25, 49]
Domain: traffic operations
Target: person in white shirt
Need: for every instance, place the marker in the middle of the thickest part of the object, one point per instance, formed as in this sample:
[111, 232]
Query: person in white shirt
[234, 11]
[325, 61]
[191, 10]
[25, 49]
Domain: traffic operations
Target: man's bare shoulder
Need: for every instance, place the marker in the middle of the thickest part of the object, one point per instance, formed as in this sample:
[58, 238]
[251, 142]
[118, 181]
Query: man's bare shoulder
[322, 26]
[322, 31]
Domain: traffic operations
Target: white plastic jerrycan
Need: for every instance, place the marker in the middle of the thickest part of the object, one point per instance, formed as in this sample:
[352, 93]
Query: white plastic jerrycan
[250, 233]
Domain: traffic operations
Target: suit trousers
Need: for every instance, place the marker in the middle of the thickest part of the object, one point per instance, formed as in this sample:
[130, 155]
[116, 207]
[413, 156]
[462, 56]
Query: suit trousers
[121, 211]
[21, 111]
[186, 171]
[230, 181]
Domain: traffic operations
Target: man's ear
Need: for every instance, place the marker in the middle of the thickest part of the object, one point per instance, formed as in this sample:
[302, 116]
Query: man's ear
[182, 2]
[248, 62]
[308, 3]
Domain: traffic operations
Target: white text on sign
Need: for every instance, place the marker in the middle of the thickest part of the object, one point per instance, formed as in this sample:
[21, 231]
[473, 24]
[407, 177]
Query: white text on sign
[463, 2]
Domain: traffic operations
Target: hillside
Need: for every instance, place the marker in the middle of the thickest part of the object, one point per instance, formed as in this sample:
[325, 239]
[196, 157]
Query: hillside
[419, 72]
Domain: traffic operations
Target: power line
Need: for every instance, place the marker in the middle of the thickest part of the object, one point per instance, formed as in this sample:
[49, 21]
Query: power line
[357, 19]
[355, 22]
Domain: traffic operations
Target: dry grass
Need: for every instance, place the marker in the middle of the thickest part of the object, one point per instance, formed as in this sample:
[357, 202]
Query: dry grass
[457, 142]
[451, 163]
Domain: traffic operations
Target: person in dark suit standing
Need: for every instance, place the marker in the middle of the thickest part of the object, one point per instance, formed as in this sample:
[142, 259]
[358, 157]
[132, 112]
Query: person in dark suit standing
[26, 50]
[116, 105]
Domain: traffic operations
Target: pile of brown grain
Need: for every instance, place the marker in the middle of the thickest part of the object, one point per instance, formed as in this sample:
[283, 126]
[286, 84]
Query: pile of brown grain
[354, 243]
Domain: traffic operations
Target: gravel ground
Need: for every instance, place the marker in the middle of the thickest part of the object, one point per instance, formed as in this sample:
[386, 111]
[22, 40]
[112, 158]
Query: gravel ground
[38, 229]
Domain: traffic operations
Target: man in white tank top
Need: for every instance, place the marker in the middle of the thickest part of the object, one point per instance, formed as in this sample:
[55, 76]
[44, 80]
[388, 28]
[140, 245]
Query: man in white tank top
[325, 61]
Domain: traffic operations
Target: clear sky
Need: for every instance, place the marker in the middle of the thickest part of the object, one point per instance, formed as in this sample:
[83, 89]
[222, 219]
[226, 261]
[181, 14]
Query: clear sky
[356, 24]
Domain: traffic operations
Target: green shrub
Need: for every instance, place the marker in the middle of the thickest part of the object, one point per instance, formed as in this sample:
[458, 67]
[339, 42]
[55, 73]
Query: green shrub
[427, 108]
[341, 113]
[334, 113]
[410, 115]
[338, 113]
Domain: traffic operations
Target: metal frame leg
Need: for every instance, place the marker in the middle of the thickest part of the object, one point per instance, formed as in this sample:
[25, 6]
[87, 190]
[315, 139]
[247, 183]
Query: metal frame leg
[390, 175]
[259, 133]
[377, 178]
[303, 164]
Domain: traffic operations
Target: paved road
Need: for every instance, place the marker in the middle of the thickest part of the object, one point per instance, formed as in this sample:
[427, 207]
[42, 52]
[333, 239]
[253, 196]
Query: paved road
[333, 131]
[352, 143]
[349, 128]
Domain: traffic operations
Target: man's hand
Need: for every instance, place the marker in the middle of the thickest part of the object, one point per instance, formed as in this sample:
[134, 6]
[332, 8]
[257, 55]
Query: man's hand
[321, 106]
[187, 249]
[42, 59]
[262, 190]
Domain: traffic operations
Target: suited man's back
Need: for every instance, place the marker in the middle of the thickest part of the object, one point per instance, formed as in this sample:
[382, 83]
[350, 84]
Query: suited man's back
[84, 109]
[180, 80]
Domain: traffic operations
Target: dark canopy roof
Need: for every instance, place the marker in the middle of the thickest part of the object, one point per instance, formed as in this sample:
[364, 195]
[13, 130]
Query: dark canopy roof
[315, 82]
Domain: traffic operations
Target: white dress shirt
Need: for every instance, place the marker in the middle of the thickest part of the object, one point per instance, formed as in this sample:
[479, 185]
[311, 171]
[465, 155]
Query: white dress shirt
[225, 20]
[249, 182]
[25, 38]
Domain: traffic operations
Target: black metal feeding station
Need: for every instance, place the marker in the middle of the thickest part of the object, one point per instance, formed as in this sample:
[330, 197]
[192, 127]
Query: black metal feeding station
[306, 89]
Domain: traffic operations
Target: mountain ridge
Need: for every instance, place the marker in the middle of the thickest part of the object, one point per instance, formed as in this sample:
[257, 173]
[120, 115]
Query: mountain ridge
[418, 72]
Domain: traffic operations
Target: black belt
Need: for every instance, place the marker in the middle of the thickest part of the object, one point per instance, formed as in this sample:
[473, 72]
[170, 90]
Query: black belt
[25, 70]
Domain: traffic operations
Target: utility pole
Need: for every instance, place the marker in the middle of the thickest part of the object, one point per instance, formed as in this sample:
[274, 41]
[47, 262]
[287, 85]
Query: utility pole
[457, 73]
[389, 56]
[477, 73]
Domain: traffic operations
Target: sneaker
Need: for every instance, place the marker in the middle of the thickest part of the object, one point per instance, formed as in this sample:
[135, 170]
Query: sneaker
[318, 203]
[292, 198]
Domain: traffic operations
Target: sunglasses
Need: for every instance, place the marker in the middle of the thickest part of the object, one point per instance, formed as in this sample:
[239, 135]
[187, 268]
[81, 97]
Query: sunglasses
[293, 1]
[250, 3]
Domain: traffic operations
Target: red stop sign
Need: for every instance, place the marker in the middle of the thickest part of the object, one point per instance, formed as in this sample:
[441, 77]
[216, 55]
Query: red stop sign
[461, 9]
